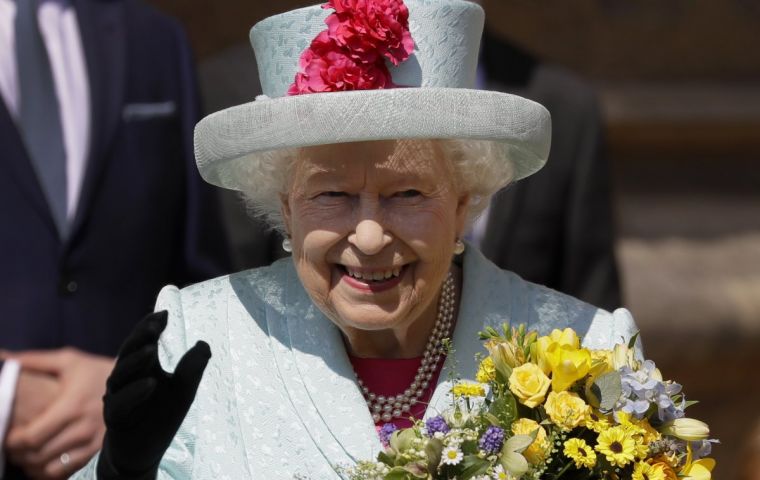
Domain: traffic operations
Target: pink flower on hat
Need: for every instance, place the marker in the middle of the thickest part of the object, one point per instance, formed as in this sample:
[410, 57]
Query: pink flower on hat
[369, 28]
[351, 53]
[326, 67]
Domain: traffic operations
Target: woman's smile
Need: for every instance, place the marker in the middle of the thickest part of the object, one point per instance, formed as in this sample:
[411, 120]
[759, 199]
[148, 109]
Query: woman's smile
[372, 280]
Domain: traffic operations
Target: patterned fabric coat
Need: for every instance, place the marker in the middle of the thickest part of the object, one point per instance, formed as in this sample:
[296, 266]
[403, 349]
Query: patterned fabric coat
[279, 398]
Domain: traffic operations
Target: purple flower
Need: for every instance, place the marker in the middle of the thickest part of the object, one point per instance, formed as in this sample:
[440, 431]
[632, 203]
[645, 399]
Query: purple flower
[492, 440]
[435, 425]
[385, 433]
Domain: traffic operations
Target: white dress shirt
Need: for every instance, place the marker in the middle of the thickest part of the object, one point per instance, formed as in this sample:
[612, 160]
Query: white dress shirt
[60, 32]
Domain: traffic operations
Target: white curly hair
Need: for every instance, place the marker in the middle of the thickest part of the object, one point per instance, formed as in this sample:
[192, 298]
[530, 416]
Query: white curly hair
[481, 168]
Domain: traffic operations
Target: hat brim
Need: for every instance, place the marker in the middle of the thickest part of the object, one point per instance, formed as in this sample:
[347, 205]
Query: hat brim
[233, 135]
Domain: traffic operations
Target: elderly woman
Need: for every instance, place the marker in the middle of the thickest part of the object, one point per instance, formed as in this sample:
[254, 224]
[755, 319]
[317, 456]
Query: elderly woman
[373, 190]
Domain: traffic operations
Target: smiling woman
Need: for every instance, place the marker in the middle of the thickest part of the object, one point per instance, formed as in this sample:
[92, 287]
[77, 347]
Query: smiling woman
[315, 354]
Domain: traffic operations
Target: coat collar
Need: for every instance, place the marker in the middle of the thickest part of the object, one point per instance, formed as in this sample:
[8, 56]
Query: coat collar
[319, 377]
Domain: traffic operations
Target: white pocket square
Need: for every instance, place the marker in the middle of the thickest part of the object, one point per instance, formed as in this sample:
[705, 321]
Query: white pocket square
[142, 111]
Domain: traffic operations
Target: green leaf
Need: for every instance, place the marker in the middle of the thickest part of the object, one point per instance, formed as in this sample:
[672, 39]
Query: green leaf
[417, 470]
[473, 466]
[608, 388]
[632, 341]
[518, 443]
[401, 440]
[433, 450]
[387, 458]
[514, 463]
[398, 473]
[504, 409]
[689, 403]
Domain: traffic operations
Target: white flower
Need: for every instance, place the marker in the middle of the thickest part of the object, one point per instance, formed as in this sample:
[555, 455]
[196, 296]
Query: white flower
[500, 474]
[451, 456]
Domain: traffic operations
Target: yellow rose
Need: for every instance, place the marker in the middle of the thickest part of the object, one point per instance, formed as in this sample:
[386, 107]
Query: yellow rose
[529, 384]
[536, 452]
[566, 410]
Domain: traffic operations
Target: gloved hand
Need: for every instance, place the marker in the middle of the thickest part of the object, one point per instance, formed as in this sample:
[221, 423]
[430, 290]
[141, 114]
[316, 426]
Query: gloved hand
[144, 406]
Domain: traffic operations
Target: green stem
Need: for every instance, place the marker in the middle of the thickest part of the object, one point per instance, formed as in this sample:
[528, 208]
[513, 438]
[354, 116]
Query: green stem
[562, 472]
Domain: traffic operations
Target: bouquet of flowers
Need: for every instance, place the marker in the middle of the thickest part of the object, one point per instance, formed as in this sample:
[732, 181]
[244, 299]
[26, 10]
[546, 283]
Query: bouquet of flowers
[546, 408]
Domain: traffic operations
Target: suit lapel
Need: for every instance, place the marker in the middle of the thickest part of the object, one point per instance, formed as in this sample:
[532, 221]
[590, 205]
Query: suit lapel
[320, 380]
[17, 162]
[103, 32]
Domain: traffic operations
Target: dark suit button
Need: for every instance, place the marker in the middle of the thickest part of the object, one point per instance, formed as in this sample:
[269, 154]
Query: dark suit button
[72, 286]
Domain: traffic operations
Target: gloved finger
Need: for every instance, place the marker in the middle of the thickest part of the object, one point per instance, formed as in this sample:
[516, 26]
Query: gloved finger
[146, 332]
[190, 369]
[119, 408]
[133, 366]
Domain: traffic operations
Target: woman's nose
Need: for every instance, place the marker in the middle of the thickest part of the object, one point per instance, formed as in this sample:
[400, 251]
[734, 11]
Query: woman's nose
[369, 237]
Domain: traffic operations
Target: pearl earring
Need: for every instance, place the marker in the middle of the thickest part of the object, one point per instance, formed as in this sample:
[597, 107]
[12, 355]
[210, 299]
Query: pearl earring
[459, 247]
[287, 245]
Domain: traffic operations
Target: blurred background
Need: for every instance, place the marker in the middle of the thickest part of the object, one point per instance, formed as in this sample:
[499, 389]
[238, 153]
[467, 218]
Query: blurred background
[678, 84]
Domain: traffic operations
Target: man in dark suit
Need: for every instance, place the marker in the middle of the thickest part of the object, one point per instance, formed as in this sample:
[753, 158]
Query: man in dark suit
[555, 227]
[76, 279]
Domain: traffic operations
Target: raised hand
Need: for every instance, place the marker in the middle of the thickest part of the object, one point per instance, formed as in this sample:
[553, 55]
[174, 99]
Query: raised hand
[144, 406]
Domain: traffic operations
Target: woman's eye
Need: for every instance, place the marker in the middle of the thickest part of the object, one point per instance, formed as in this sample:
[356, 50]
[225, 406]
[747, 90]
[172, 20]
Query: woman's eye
[333, 194]
[407, 194]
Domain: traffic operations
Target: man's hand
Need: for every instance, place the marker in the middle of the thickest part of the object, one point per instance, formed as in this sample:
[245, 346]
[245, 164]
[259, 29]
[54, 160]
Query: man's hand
[35, 392]
[68, 433]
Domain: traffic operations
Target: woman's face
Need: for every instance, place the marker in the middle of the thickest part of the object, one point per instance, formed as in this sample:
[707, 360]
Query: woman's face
[373, 227]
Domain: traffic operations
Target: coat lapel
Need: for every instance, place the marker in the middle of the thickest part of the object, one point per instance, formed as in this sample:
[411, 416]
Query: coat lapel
[19, 167]
[320, 381]
[103, 30]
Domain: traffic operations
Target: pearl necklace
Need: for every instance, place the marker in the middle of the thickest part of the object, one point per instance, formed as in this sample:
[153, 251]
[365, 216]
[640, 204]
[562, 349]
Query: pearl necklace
[388, 408]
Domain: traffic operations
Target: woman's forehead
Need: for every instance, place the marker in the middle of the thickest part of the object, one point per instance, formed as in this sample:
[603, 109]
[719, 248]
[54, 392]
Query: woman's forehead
[418, 157]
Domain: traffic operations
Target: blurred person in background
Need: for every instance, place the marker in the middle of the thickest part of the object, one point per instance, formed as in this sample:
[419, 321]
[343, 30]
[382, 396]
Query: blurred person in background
[100, 206]
[555, 228]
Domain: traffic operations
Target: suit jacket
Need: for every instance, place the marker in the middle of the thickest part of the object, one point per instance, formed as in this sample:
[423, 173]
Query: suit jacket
[556, 227]
[279, 397]
[145, 218]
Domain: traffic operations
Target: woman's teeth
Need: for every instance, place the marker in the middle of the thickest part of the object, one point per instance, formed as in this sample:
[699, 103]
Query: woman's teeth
[376, 276]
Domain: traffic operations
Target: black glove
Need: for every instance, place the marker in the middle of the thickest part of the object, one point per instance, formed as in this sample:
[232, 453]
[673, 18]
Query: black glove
[144, 406]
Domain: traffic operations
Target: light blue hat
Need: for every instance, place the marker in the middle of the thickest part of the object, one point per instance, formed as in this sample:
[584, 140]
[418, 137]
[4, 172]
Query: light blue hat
[437, 100]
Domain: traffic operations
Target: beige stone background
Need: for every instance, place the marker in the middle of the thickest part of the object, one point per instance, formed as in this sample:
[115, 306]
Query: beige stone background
[679, 83]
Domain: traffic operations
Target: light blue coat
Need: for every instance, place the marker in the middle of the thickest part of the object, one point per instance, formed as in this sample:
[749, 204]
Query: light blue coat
[279, 399]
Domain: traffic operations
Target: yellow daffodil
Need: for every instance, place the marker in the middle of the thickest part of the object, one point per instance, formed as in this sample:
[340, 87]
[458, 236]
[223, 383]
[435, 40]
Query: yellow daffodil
[540, 349]
[537, 451]
[696, 470]
[566, 410]
[568, 366]
[577, 450]
[617, 445]
[529, 384]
